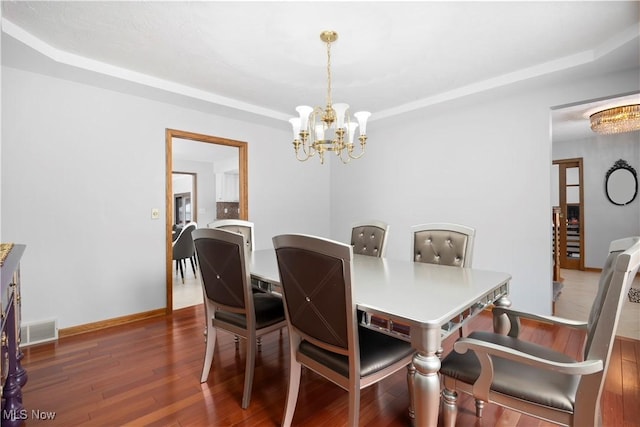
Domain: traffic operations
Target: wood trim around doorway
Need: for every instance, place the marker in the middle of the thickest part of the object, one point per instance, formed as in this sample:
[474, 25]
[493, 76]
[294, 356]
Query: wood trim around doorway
[576, 264]
[243, 190]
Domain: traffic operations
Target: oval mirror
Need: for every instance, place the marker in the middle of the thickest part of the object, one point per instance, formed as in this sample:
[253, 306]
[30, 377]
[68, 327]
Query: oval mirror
[621, 183]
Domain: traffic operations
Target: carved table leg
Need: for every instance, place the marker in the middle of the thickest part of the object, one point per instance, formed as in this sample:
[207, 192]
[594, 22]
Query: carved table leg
[411, 372]
[501, 324]
[449, 407]
[426, 388]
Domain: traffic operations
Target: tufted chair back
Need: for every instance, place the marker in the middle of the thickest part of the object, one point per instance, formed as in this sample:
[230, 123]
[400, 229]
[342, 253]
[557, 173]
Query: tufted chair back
[444, 244]
[237, 226]
[369, 238]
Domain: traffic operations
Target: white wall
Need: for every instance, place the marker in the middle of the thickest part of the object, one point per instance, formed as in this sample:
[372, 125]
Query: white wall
[603, 221]
[484, 162]
[82, 167]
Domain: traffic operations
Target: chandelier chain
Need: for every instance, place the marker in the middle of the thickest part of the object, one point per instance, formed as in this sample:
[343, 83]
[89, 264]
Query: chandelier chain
[329, 73]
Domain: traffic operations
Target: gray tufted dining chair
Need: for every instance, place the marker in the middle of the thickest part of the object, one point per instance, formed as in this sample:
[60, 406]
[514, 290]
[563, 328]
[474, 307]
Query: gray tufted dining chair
[443, 243]
[229, 301]
[324, 335]
[536, 380]
[237, 226]
[370, 238]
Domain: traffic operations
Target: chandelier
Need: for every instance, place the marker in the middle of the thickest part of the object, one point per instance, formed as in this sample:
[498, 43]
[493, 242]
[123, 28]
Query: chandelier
[319, 130]
[616, 120]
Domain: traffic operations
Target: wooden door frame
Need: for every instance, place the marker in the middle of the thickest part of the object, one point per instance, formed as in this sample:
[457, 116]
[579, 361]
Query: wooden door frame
[563, 205]
[243, 199]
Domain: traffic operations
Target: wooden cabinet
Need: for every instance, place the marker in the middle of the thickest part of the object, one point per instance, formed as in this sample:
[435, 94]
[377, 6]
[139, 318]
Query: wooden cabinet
[13, 376]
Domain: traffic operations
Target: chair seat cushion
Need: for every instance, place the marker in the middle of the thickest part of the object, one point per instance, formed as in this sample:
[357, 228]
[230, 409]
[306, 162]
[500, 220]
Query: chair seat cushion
[268, 308]
[524, 382]
[377, 351]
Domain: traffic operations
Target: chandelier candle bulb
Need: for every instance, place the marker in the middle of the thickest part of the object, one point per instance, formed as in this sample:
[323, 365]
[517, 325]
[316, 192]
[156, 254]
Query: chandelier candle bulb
[295, 124]
[362, 117]
[340, 110]
[351, 131]
[304, 112]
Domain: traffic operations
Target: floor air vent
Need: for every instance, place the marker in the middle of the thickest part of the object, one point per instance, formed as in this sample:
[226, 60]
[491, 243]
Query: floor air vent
[38, 332]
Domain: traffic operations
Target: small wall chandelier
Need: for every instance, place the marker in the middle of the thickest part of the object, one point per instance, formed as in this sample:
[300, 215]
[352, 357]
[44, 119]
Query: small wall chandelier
[616, 120]
[319, 130]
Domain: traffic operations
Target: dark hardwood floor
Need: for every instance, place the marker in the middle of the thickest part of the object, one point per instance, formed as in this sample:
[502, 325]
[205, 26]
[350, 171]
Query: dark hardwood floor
[147, 373]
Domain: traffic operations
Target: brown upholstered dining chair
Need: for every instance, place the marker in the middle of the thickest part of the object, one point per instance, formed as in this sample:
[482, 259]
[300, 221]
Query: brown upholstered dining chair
[246, 228]
[182, 249]
[370, 238]
[443, 243]
[230, 304]
[536, 380]
[316, 279]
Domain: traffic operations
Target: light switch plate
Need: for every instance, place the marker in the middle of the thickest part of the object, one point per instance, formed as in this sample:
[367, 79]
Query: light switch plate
[155, 213]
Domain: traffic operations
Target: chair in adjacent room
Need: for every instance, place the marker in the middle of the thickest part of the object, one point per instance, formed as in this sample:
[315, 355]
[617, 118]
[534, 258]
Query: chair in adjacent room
[443, 243]
[230, 304]
[183, 249]
[324, 335]
[370, 238]
[175, 231]
[537, 380]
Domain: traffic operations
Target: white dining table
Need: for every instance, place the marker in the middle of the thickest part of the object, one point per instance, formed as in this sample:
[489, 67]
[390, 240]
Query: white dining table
[422, 303]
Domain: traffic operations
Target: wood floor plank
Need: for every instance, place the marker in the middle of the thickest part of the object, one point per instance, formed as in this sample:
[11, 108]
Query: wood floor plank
[148, 374]
[613, 382]
[630, 391]
[612, 409]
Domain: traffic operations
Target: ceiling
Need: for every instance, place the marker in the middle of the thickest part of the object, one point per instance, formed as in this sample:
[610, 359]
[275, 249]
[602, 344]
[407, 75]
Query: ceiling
[266, 57]
[571, 122]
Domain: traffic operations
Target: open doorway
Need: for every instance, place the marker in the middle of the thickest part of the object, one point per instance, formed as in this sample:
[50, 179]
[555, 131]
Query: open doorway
[590, 219]
[570, 196]
[185, 198]
[209, 160]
